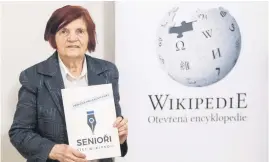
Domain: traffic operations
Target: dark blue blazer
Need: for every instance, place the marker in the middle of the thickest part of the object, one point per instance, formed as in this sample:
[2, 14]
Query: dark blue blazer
[39, 120]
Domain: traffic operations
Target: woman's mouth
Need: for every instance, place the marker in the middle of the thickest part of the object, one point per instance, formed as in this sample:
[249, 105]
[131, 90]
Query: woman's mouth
[73, 46]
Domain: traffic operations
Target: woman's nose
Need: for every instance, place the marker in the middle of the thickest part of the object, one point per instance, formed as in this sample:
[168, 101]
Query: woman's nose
[72, 36]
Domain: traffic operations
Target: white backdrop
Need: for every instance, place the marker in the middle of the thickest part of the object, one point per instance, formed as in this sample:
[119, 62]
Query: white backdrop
[22, 45]
[141, 76]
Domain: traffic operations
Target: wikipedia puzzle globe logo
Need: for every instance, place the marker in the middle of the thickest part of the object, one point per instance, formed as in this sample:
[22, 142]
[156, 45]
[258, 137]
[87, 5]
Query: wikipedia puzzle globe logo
[198, 48]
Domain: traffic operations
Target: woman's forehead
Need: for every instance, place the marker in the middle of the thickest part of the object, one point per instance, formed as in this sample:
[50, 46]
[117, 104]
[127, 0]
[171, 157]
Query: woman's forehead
[77, 23]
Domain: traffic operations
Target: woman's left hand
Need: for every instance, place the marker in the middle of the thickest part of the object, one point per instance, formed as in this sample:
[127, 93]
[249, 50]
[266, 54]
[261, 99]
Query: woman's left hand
[122, 125]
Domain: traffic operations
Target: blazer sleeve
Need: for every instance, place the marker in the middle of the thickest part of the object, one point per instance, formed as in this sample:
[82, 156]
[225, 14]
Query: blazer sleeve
[22, 133]
[115, 85]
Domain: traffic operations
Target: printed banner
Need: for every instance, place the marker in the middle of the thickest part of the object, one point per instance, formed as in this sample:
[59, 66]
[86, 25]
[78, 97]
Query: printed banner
[193, 80]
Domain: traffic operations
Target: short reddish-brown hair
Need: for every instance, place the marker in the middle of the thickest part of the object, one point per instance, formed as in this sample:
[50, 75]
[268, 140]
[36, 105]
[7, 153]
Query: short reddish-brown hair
[63, 16]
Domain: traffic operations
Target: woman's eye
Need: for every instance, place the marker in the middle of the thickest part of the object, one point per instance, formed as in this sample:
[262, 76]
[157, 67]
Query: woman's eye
[80, 31]
[63, 31]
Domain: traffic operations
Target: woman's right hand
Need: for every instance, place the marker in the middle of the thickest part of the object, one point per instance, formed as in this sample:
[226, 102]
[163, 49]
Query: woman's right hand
[65, 153]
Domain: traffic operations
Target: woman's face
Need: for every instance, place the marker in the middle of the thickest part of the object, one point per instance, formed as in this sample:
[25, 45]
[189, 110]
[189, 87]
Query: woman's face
[72, 39]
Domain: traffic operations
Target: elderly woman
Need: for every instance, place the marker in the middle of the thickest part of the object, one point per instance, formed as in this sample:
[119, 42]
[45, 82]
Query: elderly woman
[38, 131]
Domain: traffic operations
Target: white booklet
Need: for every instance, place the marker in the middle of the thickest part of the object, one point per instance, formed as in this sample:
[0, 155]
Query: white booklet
[90, 114]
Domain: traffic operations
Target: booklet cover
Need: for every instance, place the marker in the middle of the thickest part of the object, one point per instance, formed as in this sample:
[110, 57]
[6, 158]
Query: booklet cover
[90, 114]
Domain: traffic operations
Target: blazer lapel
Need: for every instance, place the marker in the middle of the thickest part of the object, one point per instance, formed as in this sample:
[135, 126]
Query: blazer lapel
[94, 72]
[54, 85]
[53, 80]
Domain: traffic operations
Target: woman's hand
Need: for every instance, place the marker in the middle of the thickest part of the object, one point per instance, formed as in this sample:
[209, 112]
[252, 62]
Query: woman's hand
[122, 125]
[65, 153]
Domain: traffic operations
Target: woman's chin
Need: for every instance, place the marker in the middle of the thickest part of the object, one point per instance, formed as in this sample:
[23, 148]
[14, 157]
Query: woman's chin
[74, 54]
